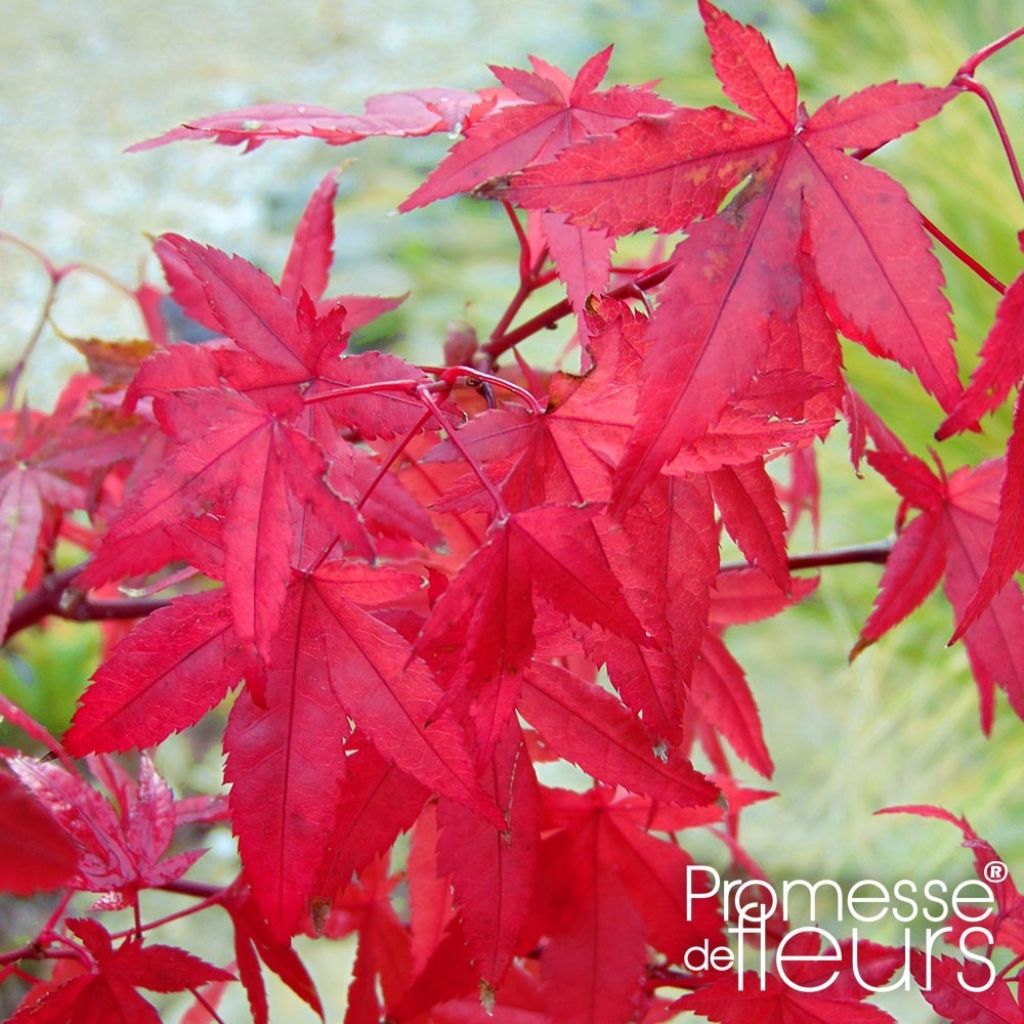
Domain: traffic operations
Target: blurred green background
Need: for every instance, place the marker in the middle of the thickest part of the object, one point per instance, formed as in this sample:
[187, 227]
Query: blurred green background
[80, 80]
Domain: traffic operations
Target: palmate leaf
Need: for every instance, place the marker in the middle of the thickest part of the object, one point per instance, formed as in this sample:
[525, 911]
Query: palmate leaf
[667, 172]
[163, 677]
[331, 661]
[950, 540]
[549, 111]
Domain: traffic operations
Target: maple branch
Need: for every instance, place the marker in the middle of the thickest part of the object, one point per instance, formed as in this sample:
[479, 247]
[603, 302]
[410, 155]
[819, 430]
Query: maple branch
[213, 900]
[51, 598]
[872, 554]
[529, 282]
[204, 890]
[37, 951]
[966, 81]
[547, 319]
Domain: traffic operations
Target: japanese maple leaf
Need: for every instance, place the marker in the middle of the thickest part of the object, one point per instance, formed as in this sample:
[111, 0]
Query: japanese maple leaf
[1000, 369]
[608, 890]
[306, 270]
[720, 698]
[773, 1001]
[383, 964]
[555, 110]
[869, 254]
[375, 805]
[593, 963]
[1007, 549]
[331, 660]
[493, 876]
[119, 850]
[162, 677]
[236, 458]
[107, 991]
[589, 726]
[412, 113]
[284, 346]
[254, 943]
[1001, 366]
[487, 613]
[950, 541]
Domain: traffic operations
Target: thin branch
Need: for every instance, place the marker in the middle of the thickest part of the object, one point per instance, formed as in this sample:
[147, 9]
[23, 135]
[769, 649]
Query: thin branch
[51, 598]
[871, 554]
[399, 447]
[201, 889]
[547, 319]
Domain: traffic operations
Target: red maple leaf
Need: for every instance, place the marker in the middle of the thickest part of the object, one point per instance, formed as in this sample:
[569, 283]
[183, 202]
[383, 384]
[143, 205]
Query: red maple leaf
[119, 850]
[412, 113]
[735, 270]
[950, 541]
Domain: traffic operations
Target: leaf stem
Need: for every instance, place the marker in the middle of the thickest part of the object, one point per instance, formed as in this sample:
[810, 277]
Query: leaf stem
[499, 502]
[972, 63]
[214, 899]
[982, 91]
[964, 257]
[37, 332]
[393, 457]
[410, 387]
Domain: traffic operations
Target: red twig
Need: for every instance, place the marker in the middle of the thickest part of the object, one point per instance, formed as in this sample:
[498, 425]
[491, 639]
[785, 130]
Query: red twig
[650, 278]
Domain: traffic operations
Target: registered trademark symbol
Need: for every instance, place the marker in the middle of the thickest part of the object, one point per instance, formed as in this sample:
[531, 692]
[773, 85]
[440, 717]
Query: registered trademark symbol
[995, 871]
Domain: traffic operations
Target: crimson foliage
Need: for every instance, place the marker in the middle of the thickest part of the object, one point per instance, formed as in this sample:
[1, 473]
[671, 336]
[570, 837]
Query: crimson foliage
[412, 576]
